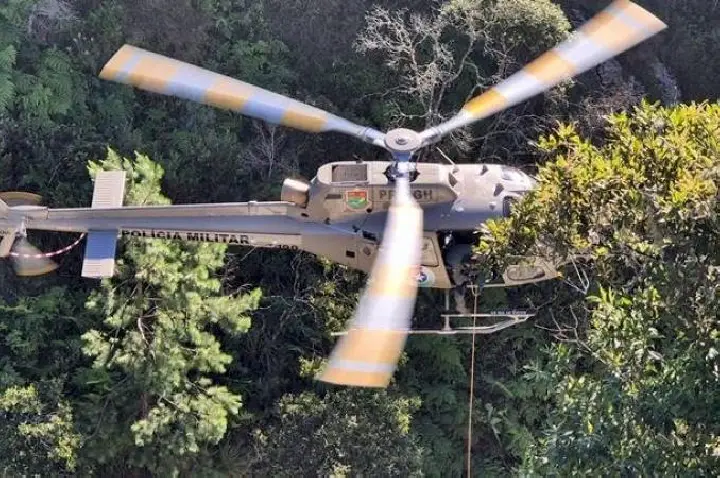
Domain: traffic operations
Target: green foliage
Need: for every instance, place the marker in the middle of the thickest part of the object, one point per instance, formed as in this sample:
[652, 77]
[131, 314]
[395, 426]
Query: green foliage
[29, 429]
[14, 13]
[158, 344]
[530, 27]
[7, 87]
[36, 333]
[344, 433]
[435, 372]
[39, 347]
[637, 392]
[42, 88]
[161, 371]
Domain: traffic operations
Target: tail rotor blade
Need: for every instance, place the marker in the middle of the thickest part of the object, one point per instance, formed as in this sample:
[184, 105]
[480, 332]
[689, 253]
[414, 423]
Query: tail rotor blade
[28, 261]
[20, 198]
[156, 73]
[368, 354]
[619, 27]
[6, 244]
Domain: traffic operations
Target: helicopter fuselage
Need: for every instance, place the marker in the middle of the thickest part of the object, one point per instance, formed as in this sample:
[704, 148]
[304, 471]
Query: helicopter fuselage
[340, 214]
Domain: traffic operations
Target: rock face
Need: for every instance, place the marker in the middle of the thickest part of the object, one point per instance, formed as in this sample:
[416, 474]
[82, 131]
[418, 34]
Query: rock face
[667, 84]
[618, 75]
[46, 16]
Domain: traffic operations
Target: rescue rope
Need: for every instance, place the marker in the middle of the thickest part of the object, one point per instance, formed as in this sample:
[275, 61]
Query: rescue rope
[472, 385]
[46, 255]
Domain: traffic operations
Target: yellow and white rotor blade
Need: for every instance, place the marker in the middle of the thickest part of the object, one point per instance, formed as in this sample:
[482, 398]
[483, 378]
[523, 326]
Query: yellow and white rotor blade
[619, 27]
[159, 74]
[368, 354]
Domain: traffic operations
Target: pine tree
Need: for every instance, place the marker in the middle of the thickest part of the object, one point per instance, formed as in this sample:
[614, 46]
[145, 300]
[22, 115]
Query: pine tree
[155, 395]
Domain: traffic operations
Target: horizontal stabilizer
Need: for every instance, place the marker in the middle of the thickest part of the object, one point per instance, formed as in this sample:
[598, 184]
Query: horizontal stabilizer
[99, 258]
[100, 249]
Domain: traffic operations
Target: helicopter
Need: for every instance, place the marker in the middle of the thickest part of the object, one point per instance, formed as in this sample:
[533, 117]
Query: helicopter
[406, 224]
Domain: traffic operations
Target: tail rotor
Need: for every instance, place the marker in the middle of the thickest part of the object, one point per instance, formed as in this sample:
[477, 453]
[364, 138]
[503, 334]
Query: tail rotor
[27, 260]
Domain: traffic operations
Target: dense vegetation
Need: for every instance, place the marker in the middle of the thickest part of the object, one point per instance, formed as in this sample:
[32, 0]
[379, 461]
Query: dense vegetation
[198, 359]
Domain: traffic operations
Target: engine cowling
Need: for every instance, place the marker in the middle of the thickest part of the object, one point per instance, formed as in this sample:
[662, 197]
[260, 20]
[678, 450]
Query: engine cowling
[296, 191]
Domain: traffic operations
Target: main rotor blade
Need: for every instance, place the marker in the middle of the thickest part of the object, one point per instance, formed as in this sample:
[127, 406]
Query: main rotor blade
[156, 73]
[614, 30]
[368, 354]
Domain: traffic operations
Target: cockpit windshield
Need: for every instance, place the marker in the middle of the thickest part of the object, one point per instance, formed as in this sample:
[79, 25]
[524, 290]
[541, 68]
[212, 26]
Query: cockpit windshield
[510, 173]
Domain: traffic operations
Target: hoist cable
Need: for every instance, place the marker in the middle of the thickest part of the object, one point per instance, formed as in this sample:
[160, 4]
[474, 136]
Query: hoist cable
[472, 385]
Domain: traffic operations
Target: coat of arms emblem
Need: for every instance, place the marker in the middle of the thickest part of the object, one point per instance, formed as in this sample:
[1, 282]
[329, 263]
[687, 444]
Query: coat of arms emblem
[357, 199]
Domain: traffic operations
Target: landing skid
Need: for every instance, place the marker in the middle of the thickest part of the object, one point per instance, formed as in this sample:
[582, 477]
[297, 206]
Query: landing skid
[514, 317]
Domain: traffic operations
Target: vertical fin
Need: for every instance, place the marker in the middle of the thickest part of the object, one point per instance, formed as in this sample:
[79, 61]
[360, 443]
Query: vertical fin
[100, 249]
[109, 189]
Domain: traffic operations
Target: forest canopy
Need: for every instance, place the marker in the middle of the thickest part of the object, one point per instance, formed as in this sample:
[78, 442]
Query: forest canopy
[198, 359]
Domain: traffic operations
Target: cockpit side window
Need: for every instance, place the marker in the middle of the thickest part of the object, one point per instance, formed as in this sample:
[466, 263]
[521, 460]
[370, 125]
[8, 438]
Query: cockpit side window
[511, 174]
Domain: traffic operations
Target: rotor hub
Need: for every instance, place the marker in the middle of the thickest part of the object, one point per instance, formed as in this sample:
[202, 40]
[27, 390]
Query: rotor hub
[402, 140]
